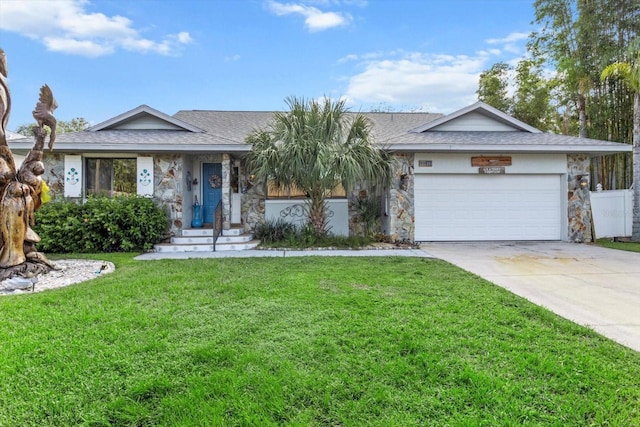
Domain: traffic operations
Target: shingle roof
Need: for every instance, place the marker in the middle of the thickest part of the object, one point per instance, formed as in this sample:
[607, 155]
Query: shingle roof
[498, 141]
[225, 131]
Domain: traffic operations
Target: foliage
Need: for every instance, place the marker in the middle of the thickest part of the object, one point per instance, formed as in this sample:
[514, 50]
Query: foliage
[369, 210]
[579, 38]
[326, 341]
[493, 85]
[629, 74]
[316, 146]
[119, 224]
[532, 98]
[74, 125]
[282, 234]
[274, 231]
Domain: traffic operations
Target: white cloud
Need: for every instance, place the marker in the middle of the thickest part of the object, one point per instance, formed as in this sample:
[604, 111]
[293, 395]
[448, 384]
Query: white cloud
[511, 43]
[437, 83]
[315, 19]
[426, 81]
[66, 26]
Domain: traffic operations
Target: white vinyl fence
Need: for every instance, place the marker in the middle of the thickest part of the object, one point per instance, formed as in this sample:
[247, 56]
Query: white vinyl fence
[612, 212]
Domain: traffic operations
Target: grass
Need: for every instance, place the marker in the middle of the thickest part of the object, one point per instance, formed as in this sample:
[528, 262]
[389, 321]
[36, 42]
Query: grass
[303, 341]
[625, 246]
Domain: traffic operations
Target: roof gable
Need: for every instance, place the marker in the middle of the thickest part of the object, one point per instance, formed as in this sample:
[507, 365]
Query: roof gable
[144, 118]
[476, 117]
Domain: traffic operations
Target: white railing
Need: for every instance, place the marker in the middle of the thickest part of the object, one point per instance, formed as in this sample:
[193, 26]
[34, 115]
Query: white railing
[612, 213]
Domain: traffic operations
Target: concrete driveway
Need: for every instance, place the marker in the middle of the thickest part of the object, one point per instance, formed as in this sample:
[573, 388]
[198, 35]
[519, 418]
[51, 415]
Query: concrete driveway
[590, 285]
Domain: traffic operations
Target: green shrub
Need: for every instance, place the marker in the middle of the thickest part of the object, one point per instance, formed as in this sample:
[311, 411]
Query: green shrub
[274, 231]
[119, 224]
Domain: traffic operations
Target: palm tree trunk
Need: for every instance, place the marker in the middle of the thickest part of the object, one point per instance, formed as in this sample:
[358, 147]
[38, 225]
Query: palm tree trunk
[635, 236]
[317, 217]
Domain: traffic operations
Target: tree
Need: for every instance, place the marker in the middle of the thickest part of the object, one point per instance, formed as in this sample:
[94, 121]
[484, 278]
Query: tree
[492, 88]
[629, 73]
[314, 147]
[531, 101]
[74, 125]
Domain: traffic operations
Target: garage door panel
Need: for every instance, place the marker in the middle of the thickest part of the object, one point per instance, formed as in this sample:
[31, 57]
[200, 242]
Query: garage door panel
[487, 207]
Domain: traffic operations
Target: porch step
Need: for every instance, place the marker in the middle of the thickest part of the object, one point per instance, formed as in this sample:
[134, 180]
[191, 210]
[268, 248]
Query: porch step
[184, 240]
[201, 240]
[170, 247]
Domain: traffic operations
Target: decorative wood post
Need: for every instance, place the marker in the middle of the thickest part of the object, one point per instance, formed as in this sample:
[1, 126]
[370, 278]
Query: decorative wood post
[21, 189]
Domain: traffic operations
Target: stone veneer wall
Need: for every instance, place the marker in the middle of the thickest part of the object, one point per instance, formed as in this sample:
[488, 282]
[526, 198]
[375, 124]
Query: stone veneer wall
[253, 200]
[168, 177]
[401, 221]
[579, 201]
[54, 174]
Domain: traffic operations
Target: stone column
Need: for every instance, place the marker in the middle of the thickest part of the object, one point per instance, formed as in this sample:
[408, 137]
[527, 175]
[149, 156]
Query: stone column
[579, 198]
[401, 210]
[226, 191]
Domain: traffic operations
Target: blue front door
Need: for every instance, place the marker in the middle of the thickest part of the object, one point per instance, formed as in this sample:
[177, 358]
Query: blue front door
[211, 189]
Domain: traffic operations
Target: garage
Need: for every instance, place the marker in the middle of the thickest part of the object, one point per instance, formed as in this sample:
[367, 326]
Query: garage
[473, 207]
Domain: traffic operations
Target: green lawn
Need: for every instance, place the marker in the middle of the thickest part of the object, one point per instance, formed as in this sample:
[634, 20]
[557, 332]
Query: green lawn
[625, 246]
[303, 341]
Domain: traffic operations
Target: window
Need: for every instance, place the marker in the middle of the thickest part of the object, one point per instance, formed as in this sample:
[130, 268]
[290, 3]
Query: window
[293, 192]
[110, 177]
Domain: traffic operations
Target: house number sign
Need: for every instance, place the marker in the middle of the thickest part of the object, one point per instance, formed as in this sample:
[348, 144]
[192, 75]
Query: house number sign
[492, 170]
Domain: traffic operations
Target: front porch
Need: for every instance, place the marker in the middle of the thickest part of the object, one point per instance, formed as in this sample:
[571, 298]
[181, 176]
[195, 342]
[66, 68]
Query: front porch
[202, 240]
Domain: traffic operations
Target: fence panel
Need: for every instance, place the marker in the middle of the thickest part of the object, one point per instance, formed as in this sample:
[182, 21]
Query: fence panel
[612, 212]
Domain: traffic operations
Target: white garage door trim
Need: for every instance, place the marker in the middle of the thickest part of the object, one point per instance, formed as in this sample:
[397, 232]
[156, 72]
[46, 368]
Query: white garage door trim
[451, 207]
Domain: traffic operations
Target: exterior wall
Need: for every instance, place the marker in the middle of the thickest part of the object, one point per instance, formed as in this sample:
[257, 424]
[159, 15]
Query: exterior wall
[401, 219]
[54, 174]
[169, 182]
[253, 205]
[579, 202]
[294, 211]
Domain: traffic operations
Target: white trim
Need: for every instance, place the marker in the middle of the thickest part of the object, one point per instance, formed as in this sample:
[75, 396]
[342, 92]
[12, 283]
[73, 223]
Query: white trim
[144, 176]
[140, 110]
[484, 109]
[73, 174]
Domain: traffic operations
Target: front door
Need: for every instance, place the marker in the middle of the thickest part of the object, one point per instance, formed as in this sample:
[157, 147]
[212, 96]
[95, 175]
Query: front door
[211, 189]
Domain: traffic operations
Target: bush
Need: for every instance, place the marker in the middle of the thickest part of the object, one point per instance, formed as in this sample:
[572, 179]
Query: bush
[274, 231]
[119, 224]
[281, 234]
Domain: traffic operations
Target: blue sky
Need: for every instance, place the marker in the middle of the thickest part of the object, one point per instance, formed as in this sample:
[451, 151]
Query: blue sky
[104, 57]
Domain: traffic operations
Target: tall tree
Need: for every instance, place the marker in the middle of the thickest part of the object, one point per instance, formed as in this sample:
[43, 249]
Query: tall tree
[531, 100]
[492, 88]
[579, 38]
[316, 146]
[629, 73]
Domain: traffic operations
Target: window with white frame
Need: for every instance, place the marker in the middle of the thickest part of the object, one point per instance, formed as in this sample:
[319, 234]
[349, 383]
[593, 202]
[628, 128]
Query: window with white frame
[110, 177]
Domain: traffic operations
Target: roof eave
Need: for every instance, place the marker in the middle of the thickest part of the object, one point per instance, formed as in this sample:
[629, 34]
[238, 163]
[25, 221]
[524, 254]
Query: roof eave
[595, 150]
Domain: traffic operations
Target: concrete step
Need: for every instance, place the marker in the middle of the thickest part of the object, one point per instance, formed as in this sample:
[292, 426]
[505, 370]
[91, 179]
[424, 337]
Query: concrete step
[204, 247]
[204, 232]
[187, 240]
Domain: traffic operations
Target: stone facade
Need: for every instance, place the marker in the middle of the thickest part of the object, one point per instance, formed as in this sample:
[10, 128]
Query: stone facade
[579, 201]
[54, 174]
[401, 220]
[397, 206]
[168, 182]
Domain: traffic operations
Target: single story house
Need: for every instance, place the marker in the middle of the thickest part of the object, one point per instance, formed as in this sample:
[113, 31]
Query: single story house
[472, 175]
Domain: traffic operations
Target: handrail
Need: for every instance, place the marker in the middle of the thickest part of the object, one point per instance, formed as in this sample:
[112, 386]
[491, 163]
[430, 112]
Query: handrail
[217, 223]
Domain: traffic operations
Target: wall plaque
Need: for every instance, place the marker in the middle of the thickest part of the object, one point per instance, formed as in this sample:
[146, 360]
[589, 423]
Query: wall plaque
[491, 161]
[425, 163]
[491, 170]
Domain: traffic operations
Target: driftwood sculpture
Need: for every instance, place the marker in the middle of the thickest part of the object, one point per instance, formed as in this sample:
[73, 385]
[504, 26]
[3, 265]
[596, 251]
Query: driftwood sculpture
[21, 189]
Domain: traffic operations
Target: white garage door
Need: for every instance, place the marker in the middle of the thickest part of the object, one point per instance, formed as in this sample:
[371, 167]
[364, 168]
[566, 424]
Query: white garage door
[487, 207]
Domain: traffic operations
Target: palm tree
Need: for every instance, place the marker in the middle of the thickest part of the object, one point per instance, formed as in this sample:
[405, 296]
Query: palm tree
[629, 72]
[315, 147]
